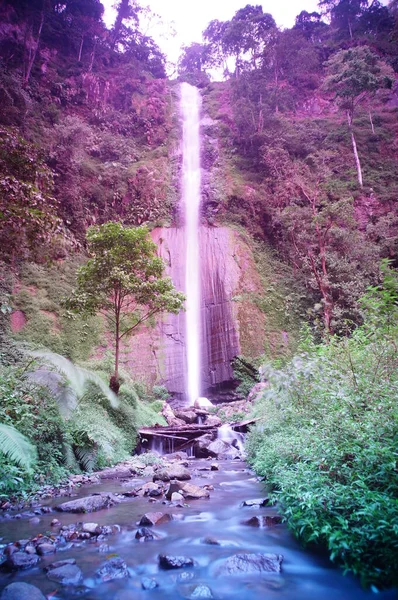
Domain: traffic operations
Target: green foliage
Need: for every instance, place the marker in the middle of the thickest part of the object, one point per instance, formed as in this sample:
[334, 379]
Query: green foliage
[29, 408]
[28, 211]
[327, 441]
[16, 447]
[40, 296]
[246, 373]
[355, 74]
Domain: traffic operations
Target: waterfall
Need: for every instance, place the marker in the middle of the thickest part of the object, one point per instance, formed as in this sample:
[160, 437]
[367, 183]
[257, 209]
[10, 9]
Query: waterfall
[190, 109]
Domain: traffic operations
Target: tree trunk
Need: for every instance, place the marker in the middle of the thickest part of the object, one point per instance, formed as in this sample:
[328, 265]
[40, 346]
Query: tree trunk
[121, 15]
[80, 49]
[354, 147]
[114, 383]
[32, 55]
[92, 57]
[371, 122]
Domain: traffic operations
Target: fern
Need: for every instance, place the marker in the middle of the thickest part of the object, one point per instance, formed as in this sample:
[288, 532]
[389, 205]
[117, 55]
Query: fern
[86, 458]
[68, 383]
[16, 447]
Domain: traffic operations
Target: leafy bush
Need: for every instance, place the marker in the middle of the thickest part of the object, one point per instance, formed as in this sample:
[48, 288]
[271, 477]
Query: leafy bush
[327, 442]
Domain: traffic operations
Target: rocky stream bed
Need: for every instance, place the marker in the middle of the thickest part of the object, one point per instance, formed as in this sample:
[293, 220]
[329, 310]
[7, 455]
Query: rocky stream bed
[179, 528]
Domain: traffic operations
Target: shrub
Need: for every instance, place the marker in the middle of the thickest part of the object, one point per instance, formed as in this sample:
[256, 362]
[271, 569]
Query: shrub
[327, 442]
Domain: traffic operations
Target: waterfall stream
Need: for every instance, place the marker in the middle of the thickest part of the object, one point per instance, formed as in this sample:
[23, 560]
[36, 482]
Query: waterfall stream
[190, 111]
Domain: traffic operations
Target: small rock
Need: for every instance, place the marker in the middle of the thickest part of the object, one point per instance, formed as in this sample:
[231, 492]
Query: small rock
[20, 561]
[149, 584]
[255, 503]
[211, 541]
[200, 591]
[214, 467]
[30, 549]
[185, 576]
[167, 561]
[34, 520]
[91, 528]
[68, 574]
[46, 548]
[114, 568]
[60, 563]
[155, 518]
[55, 523]
[144, 534]
[177, 497]
[263, 521]
[21, 591]
[151, 489]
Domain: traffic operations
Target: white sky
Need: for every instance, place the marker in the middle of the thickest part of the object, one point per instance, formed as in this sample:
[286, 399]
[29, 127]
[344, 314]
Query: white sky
[190, 17]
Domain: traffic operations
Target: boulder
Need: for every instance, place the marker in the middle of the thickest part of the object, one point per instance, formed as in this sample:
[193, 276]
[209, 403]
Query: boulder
[170, 417]
[243, 564]
[89, 503]
[66, 575]
[155, 518]
[263, 521]
[114, 568]
[174, 471]
[193, 492]
[115, 473]
[213, 420]
[21, 561]
[221, 449]
[21, 591]
[167, 562]
[188, 416]
[201, 444]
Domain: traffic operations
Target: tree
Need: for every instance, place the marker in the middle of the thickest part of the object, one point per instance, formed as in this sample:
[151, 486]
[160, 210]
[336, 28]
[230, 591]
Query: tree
[354, 75]
[244, 35]
[123, 279]
[344, 13]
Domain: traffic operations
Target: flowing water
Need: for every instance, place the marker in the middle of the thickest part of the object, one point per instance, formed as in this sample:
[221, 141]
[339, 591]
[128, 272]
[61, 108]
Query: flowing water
[190, 110]
[304, 576]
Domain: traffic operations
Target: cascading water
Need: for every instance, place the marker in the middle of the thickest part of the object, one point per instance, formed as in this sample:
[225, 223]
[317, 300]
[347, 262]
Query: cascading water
[190, 109]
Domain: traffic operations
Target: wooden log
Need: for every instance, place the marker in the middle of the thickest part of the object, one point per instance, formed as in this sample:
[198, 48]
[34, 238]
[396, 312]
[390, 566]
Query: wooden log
[164, 435]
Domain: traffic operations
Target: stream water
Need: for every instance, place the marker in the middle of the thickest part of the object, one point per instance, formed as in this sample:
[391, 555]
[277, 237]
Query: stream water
[304, 576]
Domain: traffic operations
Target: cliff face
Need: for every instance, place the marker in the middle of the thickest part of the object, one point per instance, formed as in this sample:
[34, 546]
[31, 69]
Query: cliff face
[232, 323]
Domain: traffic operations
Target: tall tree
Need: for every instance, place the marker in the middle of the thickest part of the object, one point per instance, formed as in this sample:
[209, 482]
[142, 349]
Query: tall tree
[353, 76]
[344, 13]
[127, 10]
[124, 280]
